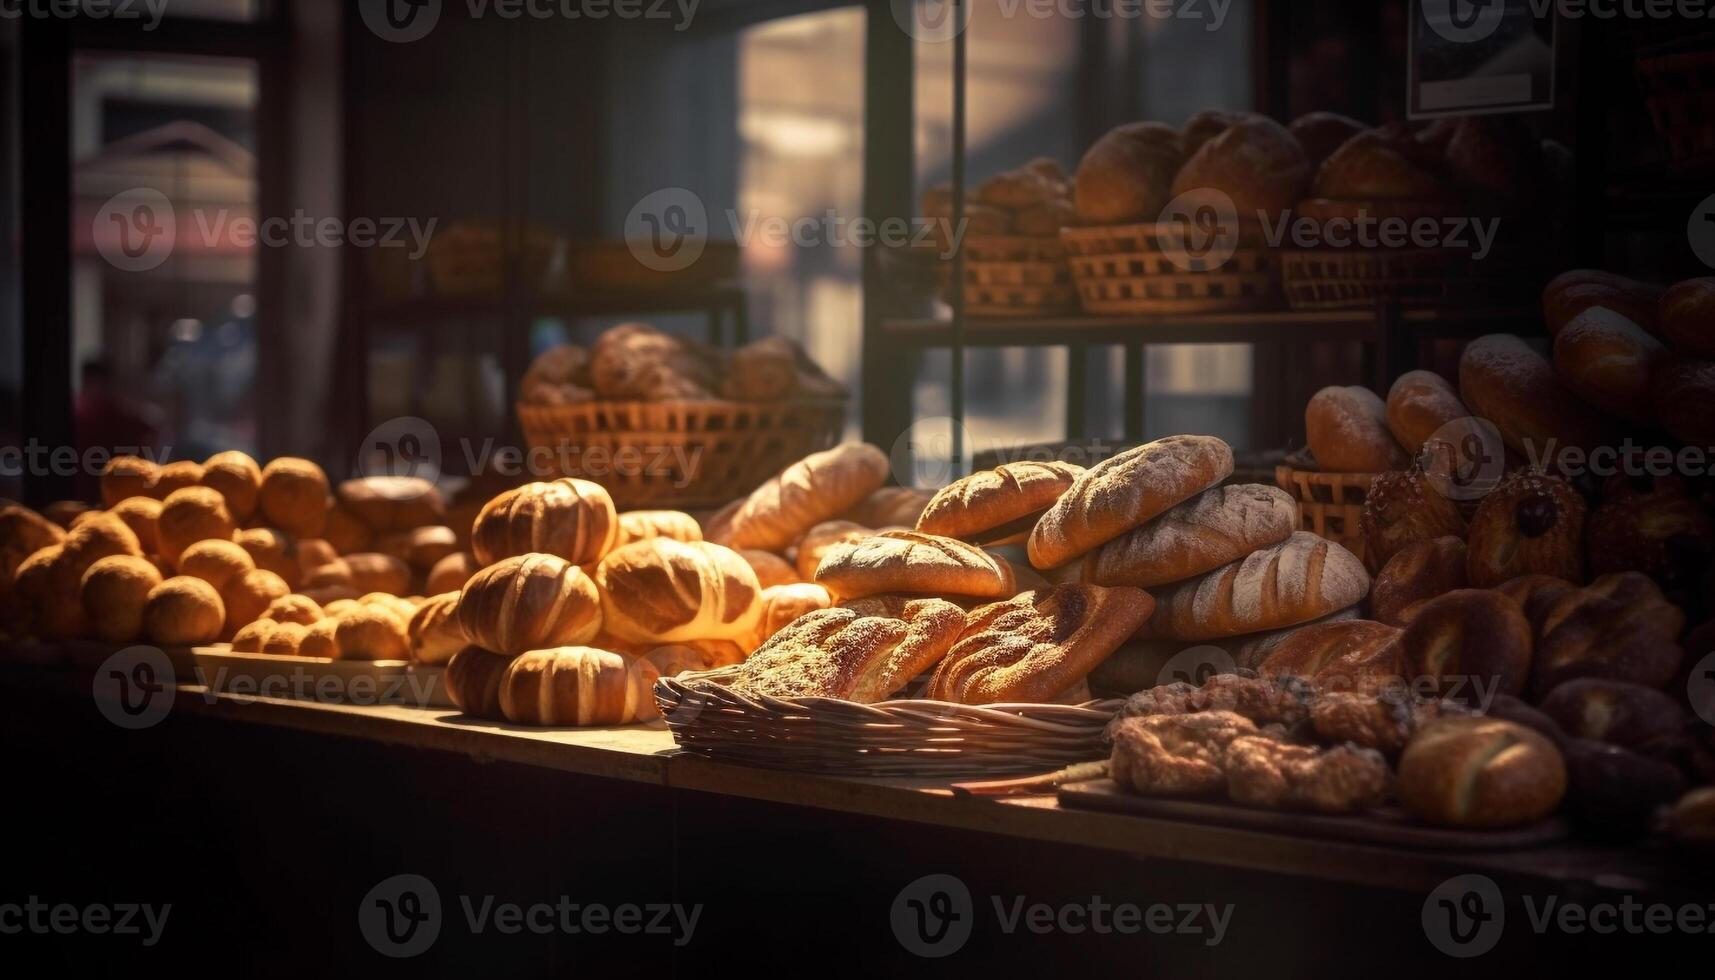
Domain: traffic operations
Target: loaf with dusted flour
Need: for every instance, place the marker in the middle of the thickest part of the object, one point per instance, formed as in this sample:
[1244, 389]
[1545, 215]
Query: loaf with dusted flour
[1303, 578]
[1210, 530]
[817, 488]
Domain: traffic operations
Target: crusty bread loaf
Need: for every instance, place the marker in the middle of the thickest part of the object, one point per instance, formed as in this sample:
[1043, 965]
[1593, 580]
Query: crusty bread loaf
[1480, 772]
[861, 654]
[113, 593]
[529, 602]
[1348, 655]
[577, 685]
[816, 488]
[780, 605]
[1255, 162]
[910, 562]
[572, 518]
[1302, 578]
[889, 507]
[821, 539]
[1379, 165]
[1607, 360]
[1531, 524]
[1124, 177]
[667, 591]
[643, 525]
[1212, 529]
[1418, 405]
[634, 360]
[770, 568]
[237, 478]
[1576, 290]
[1628, 715]
[1470, 644]
[1417, 573]
[1502, 379]
[1124, 491]
[473, 682]
[998, 506]
[1348, 431]
[294, 496]
[125, 477]
[1035, 646]
[433, 630]
[1688, 318]
[392, 503]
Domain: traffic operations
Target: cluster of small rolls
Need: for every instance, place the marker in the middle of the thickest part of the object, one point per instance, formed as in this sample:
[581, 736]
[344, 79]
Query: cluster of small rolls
[1034, 200]
[636, 362]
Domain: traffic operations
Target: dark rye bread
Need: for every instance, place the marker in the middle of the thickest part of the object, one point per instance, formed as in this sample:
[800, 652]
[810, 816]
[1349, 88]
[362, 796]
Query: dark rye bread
[907, 561]
[858, 654]
[1210, 530]
[1303, 578]
[1125, 491]
[998, 506]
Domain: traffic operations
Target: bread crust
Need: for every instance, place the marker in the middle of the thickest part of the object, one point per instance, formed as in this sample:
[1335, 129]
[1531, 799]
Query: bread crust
[1505, 381]
[1348, 431]
[577, 685]
[1481, 772]
[667, 591]
[1212, 529]
[972, 508]
[862, 653]
[915, 563]
[1418, 405]
[1418, 573]
[529, 602]
[1303, 578]
[1470, 644]
[816, 488]
[574, 519]
[1607, 359]
[1125, 175]
[1531, 524]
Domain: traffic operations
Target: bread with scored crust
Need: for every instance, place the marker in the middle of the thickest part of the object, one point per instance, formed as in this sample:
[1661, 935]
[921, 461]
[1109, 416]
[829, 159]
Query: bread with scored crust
[998, 506]
[642, 525]
[529, 602]
[821, 539]
[1480, 772]
[1303, 578]
[911, 562]
[861, 654]
[667, 591]
[577, 686]
[1210, 530]
[816, 488]
[572, 518]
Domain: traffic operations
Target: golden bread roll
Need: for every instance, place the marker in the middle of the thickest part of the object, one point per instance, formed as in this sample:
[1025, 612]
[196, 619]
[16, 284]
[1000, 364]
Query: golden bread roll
[530, 602]
[177, 476]
[817, 488]
[1348, 431]
[113, 593]
[770, 568]
[643, 525]
[371, 633]
[191, 515]
[313, 553]
[284, 639]
[23, 532]
[909, 562]
[321, 639]
[998, 506]
[93, 540]
[1124, 491]
[1212, 529]
[473, 682]
[272, 550]
[1124, 177]
[1378, 165]
[451, 573]
[421, 548]
[369, 572]
[1574, 291]
[1417, 573]
[128, 476]
[345, 532]
[577, 686]
[1303, 578]
[1418, 405]
[1532, 524]
[293, 609]
[1035, 646]
[821, 539]
[330, 595]
[890, 507]
[1255, 162]
[861, 654]
[1607, 360]
[434, 630]
[392, 503]
[763, 370]
[67, 513]
[781, 604]
[44, 602]
[216, 562]
[183, 611]
[1203, 126]
[237, 478]
[572, 518]
[251, 638]
[667, 591]
[1687, 318]
[294, 496]
[143, 516]
[248, 597]
[1480, 772]
[1503, 380]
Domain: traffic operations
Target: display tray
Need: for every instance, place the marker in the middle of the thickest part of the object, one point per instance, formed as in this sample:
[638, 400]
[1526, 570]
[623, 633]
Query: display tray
[1387, 826]
[91, 654]
[220, 668]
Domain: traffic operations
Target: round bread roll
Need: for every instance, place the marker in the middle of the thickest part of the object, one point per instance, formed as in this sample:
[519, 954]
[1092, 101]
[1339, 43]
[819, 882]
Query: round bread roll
[473, 682]
[781, 604]
[1418, 405]
[560, 364]
[1480, 772]
[1401, 509]
[293, 609]
[530, 602]
[368, 572]
[248, 597]
[1123, 492]
[770, 568]
[219, 563]
[572, 518]
[191, 515]
[313, 553]
[999, 506]
[1028, 186]
[321, 639]
[113, 593]
[93, 540]
[44, 602]
[23, 532]
[1124, 177]
[1684, 390]
[577, 686]
[183, 611]
[294, 496]
[1687, 318]
[1470, 644]
[1418, 573]
[1628, 715]
[910, 562]
[66, 513]
[451, 573]
[272, 550]
[125, 477]
[1255, 162]
[644, 525]
[284, 639]
[1577, 290]
[1503, 380]
[143, 516]
[1378, 165]
[1321, 133]
[817, 488]
[177, 476]
[342, 529]
[434, 630]
[237, 478]
[1212, 529]
[1537, 595]
[251, 638]
[422, 547]
[820, 540]
[371, 633]
[764, 370]
[1532, 524]
[667, 591]
[1608, 360]
[392, 503]
[1349, 433]
[1496, 157]
[1203, 126]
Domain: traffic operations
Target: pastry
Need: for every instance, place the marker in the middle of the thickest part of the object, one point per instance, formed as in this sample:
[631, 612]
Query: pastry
[23, 532]
[183, 611]
[433, 630]
[1385, 721]
[911, 562]
[1688, 318]
[1342, 779]
[283, 639]
[113, 593]
[1480, 772]
[392, 503]
[821, 539]
[853, 655]
[1536, 595]
[562, 364]
[998, 506]
[1531, 524]
[1125, 177]
[1607, 360]
[1212, 529]
[237, 478]
[643, 525]
[816, 488]
[572, 518]
[1403, 508]
[321, 638]
[1504, 380]
[1348, 432]
[529, 602]
[191, 515]
[128, 476]
[1125, 491]
[667, 591]
[1469, 645]
[1302, 578]
[294, 496]
[93, 540]
[1419, 405]
[1416, 574]
[576, 685]
[1038, 644]
[1175, 754]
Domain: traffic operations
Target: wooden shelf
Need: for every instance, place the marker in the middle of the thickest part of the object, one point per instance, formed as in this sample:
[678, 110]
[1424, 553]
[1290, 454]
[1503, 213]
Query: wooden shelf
[606, 303]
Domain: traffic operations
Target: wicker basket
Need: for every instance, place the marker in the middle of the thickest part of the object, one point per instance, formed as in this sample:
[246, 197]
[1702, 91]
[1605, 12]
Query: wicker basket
[893, 738]
[1128, 270]
[1343, 279]
[1679, 89]
[682, 454]
[1329, 504]
[1013, 275]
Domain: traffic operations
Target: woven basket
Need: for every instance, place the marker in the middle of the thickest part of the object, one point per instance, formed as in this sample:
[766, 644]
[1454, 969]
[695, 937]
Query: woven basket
[893, 738]
[1127, 270]
[1013, 275]
[684, 454]
[1679, 89]
[1329, 504]
[1342, 279]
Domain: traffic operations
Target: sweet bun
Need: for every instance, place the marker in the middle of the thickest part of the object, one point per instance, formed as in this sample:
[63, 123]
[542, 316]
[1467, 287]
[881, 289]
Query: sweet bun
[817, 488]
[451, 573]
[1576, 290]
[821, 539]
[1607, 360]
[251, 637]
[1470, 644]
[1035, 646]
[1418, 405]
[1255, 162]
[392, 503]
[1416, 574]
[572, 518]
[998, 506]
[1403, 508]
[183, 611]
[1348, 431]
[293, 609]
[667, 591]
[577, 685]
[248, 597]
[95, 539]
[643, 525]
[371, 633]
[1688, 318]
[1299, 580]
[113, 593]
[781, 604]
[313, 553]
[1531, 524]
[910, 562]
[770, 568]
[294, 496]
[530, 602]
[1210, 530]
[272, 550]
[284, 639]
[1480, 772]
[1125, 176]
[236, 477]
[125, 477]
[433, 630]
[177, 476]
[1505, 381]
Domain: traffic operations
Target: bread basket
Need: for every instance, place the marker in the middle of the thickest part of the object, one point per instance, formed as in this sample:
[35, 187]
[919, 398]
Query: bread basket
[681, 454]
[891, 738]
[1126, 270]
[1013, 275]
[1330, 505]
